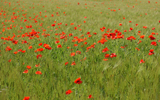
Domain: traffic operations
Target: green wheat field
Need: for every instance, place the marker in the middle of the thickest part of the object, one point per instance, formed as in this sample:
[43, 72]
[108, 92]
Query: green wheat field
[79, 49]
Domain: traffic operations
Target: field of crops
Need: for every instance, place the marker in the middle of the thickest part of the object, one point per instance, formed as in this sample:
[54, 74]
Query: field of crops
[79, 49]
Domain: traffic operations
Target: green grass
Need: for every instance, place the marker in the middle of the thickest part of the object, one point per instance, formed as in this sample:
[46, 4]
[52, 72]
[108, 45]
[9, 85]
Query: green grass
[119, 78]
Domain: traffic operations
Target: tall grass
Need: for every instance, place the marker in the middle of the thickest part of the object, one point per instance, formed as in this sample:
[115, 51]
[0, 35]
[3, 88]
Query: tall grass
[119, 78]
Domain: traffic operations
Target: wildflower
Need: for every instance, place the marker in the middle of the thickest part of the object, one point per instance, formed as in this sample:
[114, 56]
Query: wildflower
[113, 55]
[137, 48]
[66, 63]
[59, 46]
[107, 55]
[38, 72]
[53, 24]
[120, 24]
[68, 92]
[73, 63]
[151, 52]
[39, 55]
[29, 47]
[131, 38]
[141, 61]
[15, 52]
[26, 71]
[78, 81]
[29, 67]
[105, 50]
[90, 96]
[9, 60]
[142, 36]
[151, 37]
[154, 43]
[26, 98]
[40, 44]
[72, 54]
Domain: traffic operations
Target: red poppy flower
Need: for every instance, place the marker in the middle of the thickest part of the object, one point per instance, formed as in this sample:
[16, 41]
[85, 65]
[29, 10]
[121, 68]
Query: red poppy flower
[113, 55]
[37, 65]
[57, 42]
[26, 98]
[75, 28]
[23, 51]
[9, 60]
[154, 43]
[105, 59]
[26, 71]
[29, 67]
[72, 54]
[53, 24]
[89, 35]
[38, 72]
[68, 92]
[62, 37]
[29, 47]
[153, 28]
[39, 55]
[139, 41]
[131, 28]
[107, 55]
[141, 61]
[85, 42]
[73, 63]
[137, 48]
[105, 50]
[151, 52]
[66, 63]
[151, 37]
[90, 96]
[40, 44]
[59, 46]
[78, 52]
[72, 23]
[15, 52]
[123, 47]
[75, 45]
[131, 38]
[70, 34]
[142, 36]
[40, 49]
[47, 47]
[125, 30]
[78, 81]
[95, 33]
[139, 31]
[144, 27]
[20, 50]
[153, 33]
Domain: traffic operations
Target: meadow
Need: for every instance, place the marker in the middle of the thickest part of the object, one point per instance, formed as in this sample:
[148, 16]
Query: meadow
[79, 49]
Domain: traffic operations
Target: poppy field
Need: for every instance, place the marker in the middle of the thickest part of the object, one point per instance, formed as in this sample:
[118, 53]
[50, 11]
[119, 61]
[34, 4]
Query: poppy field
[79, 49]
